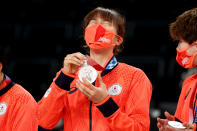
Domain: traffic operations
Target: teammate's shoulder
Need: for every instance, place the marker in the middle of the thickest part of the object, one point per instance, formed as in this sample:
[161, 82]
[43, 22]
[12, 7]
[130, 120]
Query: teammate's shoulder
[191, 78]
[19, 93]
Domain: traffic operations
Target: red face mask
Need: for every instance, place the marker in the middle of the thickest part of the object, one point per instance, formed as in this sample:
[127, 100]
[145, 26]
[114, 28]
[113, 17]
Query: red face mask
[185, 60]
[97, 37]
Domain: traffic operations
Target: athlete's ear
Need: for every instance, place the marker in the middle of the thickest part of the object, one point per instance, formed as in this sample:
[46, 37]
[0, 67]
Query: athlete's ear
[1, 67]
[118, 41]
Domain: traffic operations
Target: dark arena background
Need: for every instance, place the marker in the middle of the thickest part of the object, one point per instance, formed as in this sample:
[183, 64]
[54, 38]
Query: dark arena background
[38, 34]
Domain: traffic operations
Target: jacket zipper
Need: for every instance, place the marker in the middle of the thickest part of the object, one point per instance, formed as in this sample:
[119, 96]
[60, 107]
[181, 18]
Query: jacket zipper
[90, 115]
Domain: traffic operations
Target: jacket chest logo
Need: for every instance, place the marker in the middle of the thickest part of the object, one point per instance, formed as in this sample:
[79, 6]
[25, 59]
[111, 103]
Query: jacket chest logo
[3, 108]
[114, 89]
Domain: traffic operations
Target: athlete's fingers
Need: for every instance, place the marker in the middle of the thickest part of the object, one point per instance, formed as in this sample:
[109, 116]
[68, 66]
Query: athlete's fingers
[79, 56]
[85, 93]
[75, 56]
[162, 121]
[91, 87]
[169, 116]
[84, 89]
[102, 85]
[168, 128]
[161, 129]
[72, 62]
[158, 125]
[188, 126]
[74, 59]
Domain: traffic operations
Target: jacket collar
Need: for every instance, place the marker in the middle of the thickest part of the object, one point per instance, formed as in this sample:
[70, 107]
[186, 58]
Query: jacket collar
[6, 85]
[111, 64]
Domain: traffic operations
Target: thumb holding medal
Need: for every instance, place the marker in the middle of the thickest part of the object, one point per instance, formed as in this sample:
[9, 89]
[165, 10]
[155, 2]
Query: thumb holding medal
[87, 75]
[72, 62]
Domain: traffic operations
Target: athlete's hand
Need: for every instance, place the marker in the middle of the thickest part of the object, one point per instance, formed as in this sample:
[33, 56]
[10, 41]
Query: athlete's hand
[95, 94]
[162, 124]
[189, 127]
[169, 116]
[73, 61]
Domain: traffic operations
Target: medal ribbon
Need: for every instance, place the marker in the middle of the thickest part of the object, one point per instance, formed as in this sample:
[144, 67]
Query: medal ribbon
[113, 62]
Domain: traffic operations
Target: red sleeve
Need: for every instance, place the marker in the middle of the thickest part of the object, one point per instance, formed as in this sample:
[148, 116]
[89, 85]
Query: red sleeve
[181, 101]
[52, 104]
[136, 114]
[179, 106]
[25, 114]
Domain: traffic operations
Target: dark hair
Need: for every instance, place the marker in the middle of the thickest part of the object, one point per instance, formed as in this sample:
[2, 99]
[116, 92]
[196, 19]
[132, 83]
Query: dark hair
[109, 15]
[185, 26]
[3, 59]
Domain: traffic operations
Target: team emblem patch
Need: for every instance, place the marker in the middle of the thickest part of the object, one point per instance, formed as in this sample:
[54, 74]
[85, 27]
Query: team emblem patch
[115, 90]
[3, 108]
[47, 92]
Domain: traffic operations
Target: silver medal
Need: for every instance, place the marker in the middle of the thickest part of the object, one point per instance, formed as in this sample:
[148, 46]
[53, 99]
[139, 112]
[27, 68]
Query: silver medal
[176, 124]
[88, 72]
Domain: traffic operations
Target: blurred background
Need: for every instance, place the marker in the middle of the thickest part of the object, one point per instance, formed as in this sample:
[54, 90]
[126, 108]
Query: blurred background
[38, 34]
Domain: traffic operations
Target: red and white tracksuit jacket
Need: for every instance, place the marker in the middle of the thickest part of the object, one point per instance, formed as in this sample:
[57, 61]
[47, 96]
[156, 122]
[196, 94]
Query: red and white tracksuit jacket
[186, 107]
[18, 109]
[127, 109]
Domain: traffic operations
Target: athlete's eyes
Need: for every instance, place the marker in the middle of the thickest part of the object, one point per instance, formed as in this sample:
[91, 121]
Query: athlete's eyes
[92, 22]
[106, 23]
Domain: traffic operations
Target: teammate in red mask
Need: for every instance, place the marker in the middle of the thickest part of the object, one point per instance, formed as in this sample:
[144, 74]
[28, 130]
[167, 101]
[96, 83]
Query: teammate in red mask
[184, 29]
[119, 98]
[185, 57]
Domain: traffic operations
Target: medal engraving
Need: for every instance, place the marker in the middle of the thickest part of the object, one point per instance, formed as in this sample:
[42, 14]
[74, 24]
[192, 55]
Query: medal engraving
[87, 72]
